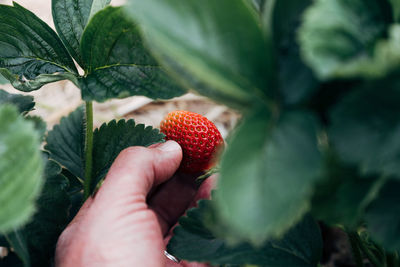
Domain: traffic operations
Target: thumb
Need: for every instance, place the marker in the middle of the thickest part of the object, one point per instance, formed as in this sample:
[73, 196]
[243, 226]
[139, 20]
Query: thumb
[137, 169]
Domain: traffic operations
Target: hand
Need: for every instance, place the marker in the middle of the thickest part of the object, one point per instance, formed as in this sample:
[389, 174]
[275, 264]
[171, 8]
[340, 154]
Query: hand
[129, 220]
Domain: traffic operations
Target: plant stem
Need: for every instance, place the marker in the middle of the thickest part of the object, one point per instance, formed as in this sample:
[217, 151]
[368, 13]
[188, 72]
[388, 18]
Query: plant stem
[353, 238]
[371, 257]
[88, 148]
[382, 254]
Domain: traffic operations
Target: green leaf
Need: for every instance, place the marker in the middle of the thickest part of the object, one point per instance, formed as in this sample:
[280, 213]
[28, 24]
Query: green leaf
[117, 64]
[364, 128]
[71, 18]
[297, 81]
[75, 184]
[23, 103]
[120, 81]
[51, 218]
[219, 45]
[20, 169]
[66, 142]
[39, 237]
[266, 181]
[3, 80]
[26, 85]
[349, 38]
[342, 196]
[31, 54]
[17, 240]
[111, 34]
[383, 216]
[39, 125]
[76, 199]
[193, 241]
[396, 9]
[257, 4]
[3, 241]
[12, 260]
[110, 139]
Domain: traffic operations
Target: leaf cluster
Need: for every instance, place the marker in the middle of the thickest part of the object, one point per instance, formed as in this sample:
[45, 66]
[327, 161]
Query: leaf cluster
[31, 239]
[316, 82]
[106, 45]
[40, 195]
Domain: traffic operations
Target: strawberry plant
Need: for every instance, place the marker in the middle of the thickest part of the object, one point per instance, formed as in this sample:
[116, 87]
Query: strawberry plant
[316, 82]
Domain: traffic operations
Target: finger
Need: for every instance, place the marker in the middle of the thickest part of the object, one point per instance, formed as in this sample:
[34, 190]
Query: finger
[176, 196]
[171, 199]
[137, 169]
[204, 192]
[205, 189]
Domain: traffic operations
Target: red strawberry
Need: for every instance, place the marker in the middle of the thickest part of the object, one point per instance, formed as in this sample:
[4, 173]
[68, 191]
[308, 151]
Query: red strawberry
[199, 138]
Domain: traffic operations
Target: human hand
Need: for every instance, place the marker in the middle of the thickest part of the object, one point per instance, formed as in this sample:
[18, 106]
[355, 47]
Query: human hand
[128, 222]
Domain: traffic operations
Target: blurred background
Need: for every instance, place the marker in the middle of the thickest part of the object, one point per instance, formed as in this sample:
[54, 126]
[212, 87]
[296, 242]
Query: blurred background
[56, 100]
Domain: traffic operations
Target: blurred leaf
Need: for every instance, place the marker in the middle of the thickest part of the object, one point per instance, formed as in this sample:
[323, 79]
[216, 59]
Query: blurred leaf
[342, 195]
[20, 169]
[296, 80]
[218, 44]
[117, 64]
[110, 139]
[71, 18]
[396, 9]
[51, 218]
[300, 246]
[258, 5]
[23, 103]
[383, 216]
[364, 128]
[3, 241]
[66, 142]
[203, 86]
[40, 236]
[39, 125]
[3, 80]
[31, 54]
[266, 181]
[18, 242]
[349, 38]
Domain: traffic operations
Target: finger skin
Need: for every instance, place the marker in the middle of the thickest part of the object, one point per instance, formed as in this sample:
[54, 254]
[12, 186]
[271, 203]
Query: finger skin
[171, 199]
[121, 225]
[118, 229]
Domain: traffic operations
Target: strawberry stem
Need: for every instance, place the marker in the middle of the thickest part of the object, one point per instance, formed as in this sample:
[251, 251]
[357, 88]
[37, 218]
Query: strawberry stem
[354, 240]
[88, 148]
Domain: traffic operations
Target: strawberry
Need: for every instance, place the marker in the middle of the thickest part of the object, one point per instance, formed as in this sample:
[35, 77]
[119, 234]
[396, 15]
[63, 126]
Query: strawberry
[200, 140]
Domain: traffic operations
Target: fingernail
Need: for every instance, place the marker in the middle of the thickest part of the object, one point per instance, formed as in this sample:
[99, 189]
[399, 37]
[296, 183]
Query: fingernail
[169, 146]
